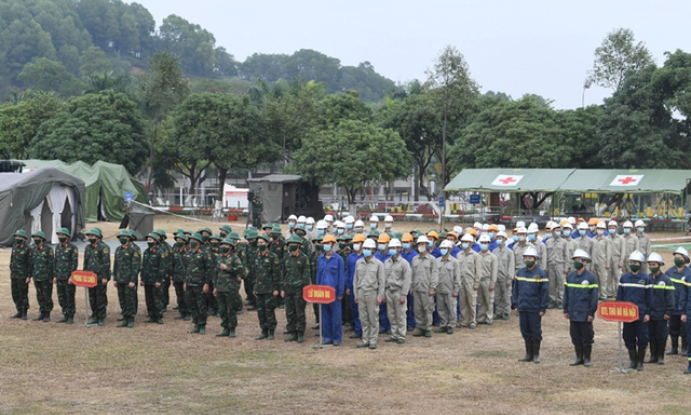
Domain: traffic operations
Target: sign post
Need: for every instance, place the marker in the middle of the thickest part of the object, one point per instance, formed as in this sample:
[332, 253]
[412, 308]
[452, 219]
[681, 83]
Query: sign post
[620, 312]
[319, 294]
[86, 279]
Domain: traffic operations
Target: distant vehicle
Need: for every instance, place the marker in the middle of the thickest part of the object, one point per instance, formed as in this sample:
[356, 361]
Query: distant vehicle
[11, 166]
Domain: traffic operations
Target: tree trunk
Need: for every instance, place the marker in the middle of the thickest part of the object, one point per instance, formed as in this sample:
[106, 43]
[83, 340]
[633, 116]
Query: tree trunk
[222, 172]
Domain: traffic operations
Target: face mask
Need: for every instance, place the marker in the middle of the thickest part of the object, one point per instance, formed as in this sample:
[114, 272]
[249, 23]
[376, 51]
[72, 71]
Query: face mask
[612, 231]
[592, 228]
[223, 235]
[225, 249]
[151, 244]
[500, 242]
[634, 268]
[654, 269]
[388, 225]
[465, 246]
[194, 244]
[600, 232]
[640, 230]
[62, 240]
[515, 238]
[627, 231]
[179, 244]
[393, 252]
[341, 231]
[521, 238]
[301, 226]
[381, 247]
[357, 247]
[492, 236]
[262, 248]
[253, 243]
[444, 251]
[349, 226]
[679, 262]
[319, 248]
[342, 245]
[531, 237]
[123, 241]
[577, 265]
[18, 241]
[567, 234]
[373, 225]
[421, 249]
[557, 234]
[309, 227]
[406, 246]
[92, 241]
[205, 238]
[37, 241]
[292, 248]
[327, 248]
[548, 235]
[214, 244]
[320, 232]
[291, 225]
[367, 253]
[484, 247]
[529, 264]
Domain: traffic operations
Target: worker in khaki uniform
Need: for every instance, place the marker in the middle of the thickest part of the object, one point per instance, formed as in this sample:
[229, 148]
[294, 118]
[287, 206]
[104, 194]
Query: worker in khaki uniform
[520, 246]
[557, 260]
[585, 242]
[602, 257]
[369, 284]
[643, 243]
[616, 262]
[487, 270]
[398, 279]
[424, 287]
[534, 239]
[505, 272]
[448, 287]
[567, 234]
[467, 260]
[630, 244]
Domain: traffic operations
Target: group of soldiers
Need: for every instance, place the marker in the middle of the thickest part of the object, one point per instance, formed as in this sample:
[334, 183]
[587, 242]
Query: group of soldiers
[386, 282]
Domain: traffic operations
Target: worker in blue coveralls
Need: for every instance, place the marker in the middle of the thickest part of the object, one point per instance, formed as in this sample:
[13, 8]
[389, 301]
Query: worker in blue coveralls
[330, 271]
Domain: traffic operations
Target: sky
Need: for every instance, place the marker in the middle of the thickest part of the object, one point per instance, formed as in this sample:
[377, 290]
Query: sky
[516, 47]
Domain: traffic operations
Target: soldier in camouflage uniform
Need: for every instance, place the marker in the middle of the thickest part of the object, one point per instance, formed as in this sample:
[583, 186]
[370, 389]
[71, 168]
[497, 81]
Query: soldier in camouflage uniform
[268, 269]
[278, 247]
[211, 302]
[43, 272]
[19, 273]
[344, 250]
[313, 256]
[239, 249]
[251, 277]
[133, 237]
[125, 275]
[154, 263]
[97, 260]
[66, 261]
[167, 266]
[199, 273]
[224, 231]
[228, 279]
[295, 276]
[180, 254]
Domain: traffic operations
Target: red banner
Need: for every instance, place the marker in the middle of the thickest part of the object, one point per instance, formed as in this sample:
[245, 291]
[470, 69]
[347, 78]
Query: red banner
[84, 279]
[319, 294]
[619, 311]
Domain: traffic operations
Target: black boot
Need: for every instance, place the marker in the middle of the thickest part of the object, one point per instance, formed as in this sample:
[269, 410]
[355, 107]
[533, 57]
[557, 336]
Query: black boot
[633, 357]
[661, 352]
[39, 317]
[24, 316]
[528, 352]
[17, 315]
[684, 345]
[674, 340]
[46, 317]
[587, 350]
[536, 351]
[641, 357]
[653, 353]
[579, 355]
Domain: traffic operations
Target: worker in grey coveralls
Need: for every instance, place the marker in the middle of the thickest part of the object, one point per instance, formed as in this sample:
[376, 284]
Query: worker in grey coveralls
[585, 242]
[467, 259]
[369, 284]
[398, 279]
[630, 244]
[602, 258]
[520, 246]
[557, 260]
[487, 268]
[505, 274]
[534, 239]
[448, 287]
[643, 243]
[616, 263]
[424, 287]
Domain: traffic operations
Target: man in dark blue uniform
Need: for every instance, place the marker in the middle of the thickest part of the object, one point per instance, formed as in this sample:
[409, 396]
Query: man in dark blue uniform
[636, 287]
[531, 296]
[663, 308]
[580, 305]
[680, 275]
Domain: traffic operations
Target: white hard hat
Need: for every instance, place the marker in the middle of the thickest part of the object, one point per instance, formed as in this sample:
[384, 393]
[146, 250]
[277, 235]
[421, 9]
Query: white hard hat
[571, 220]
[422, 240]
[655, 257]
[485, 238]
[628, 224]
[370, 243]
[582, 226]
[292, 217]
[477, 225]
[349, 219]
[329, 218]
[310, 220]
[601, 225]
[637, 256]
[640, 223]
[322, 224]
[502, 234]
[359, 224]
[485, 227]
[522, 229]
[613, 223]
[458, 230]
[388, 218]
[579, 253]
[567, 226]
[683, 252]
[502, 228]
[530, 251]
[520, 224]
[549, 225]
[395, 243]
[446, 244]
[374, 218]
[467, 238]
[302, 219]
[533, 228]
[339, 224]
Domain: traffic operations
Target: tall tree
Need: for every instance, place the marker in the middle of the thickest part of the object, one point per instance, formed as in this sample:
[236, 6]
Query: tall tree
[48, 75]
[618, 55]
[20, 123]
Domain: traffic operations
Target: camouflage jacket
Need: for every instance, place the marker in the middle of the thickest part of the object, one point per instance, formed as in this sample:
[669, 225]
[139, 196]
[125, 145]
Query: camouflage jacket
[295, 273]
[180, 257]
[278, 247]
[200, 268]
[97, 260]
[154, 262]
[126, 264]
[66, 260]
[268, 272]
[229, 279]
[42, 263]
[20, 262]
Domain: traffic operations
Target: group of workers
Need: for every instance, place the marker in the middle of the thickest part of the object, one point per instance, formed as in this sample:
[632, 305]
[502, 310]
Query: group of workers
[385, 282]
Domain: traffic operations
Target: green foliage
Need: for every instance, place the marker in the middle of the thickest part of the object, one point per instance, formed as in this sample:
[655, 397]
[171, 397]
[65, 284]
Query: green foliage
[105, 81]
[19, 123]
[339, 107]
[616, 56]
[93, 61]
[48, 75]
[105, 126]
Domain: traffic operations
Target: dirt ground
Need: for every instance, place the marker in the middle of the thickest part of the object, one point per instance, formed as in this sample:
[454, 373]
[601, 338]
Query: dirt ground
[53, 368]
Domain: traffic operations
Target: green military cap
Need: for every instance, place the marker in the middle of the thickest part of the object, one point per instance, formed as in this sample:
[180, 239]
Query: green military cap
[251, 228]
[268, 226]
[373, 234]
[156, 237]
[161, 233]
[63, 231]
[196, 236]
[226, 228]
[22, 233]
[317, 238]
[294, 239]
[215, 237]
[188, 233]
[123, 233]
[342, 237]
[182, 236]
[132, 234]
[442, 235]
[206, 230]
[40, 234]
[398, 235]
[95, 232]
[251, 234]
[233, 235]
[178, 232]
[276, 229]
[264, 237]
[228, 241]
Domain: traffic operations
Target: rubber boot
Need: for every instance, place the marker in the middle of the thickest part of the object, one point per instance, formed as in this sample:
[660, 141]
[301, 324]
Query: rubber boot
[293, 337]
[264, 335]
[63, 320]
[587, 350]
[101, 321]
[231, 333]
[224, 333]
[24, 316]
[688, 370]
[130, 323]
[674, 341]
[579, 355]
[528, 352]
[301, 337]
[195, 330]
[70, 320]
[39, 317]
[419, 333]
[93, 320]
[123, 323]
[661, 352]
[46, 317]
[641, 357]
[17, 315]
[202, 329]
[653, 353]
[536, 351]
[271, 335]
[684, 345]
[632, 357]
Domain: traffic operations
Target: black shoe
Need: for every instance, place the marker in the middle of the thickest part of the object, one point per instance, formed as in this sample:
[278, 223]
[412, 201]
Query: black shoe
[633, 357]
[46, 317]
[202, 329]
[579, 355]
[224, 333]
[101, 321]
[528, 352]
[264, 335]
[390, 340]
[70, 320]
[653, 353]
[587, 351]
[362, 345]
[17, 315]
[355, 336]
[159, 321]
[536, 351]
[674, 342]
[661, 352]
[121, 319]
[641, 357]
[38, 318]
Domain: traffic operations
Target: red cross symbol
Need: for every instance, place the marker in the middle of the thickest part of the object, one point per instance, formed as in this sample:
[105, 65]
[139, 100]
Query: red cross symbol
[508, 180]
[627, 180]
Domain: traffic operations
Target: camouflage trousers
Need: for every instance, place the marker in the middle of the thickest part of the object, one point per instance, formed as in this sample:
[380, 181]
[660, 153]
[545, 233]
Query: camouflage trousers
[165, 292]
[44, 295]
[182, 301]
[154, 301]
[211, 303]
[196, 304]
[227, 306]
[98, 300]
[66, 294]
[127, 297]
[295, 312]
[249, 290]
[265, 311]
[20, 294]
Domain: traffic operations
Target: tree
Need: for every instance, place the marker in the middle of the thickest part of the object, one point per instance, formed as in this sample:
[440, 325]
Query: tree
[48, 75]
[352, 154]
[339, 107]
[105, 126]
[19, 123]
[161, 91]
[616, 56]
[93, 61]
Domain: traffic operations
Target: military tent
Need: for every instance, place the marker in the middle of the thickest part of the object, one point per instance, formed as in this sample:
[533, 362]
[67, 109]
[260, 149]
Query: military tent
[46, 199]
[106, 187]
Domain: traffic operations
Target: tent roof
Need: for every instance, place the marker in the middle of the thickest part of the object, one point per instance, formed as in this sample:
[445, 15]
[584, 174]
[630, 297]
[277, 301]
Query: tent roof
[278, 178]
[509, 180]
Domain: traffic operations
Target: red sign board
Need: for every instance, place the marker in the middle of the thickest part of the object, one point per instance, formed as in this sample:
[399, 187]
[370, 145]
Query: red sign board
[619, 311]
[319, 294]
[84, 279]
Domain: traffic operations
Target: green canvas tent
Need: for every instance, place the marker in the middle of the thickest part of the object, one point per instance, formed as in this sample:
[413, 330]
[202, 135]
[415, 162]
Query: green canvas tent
[106, 186]
[627, 181]
[509, 180]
